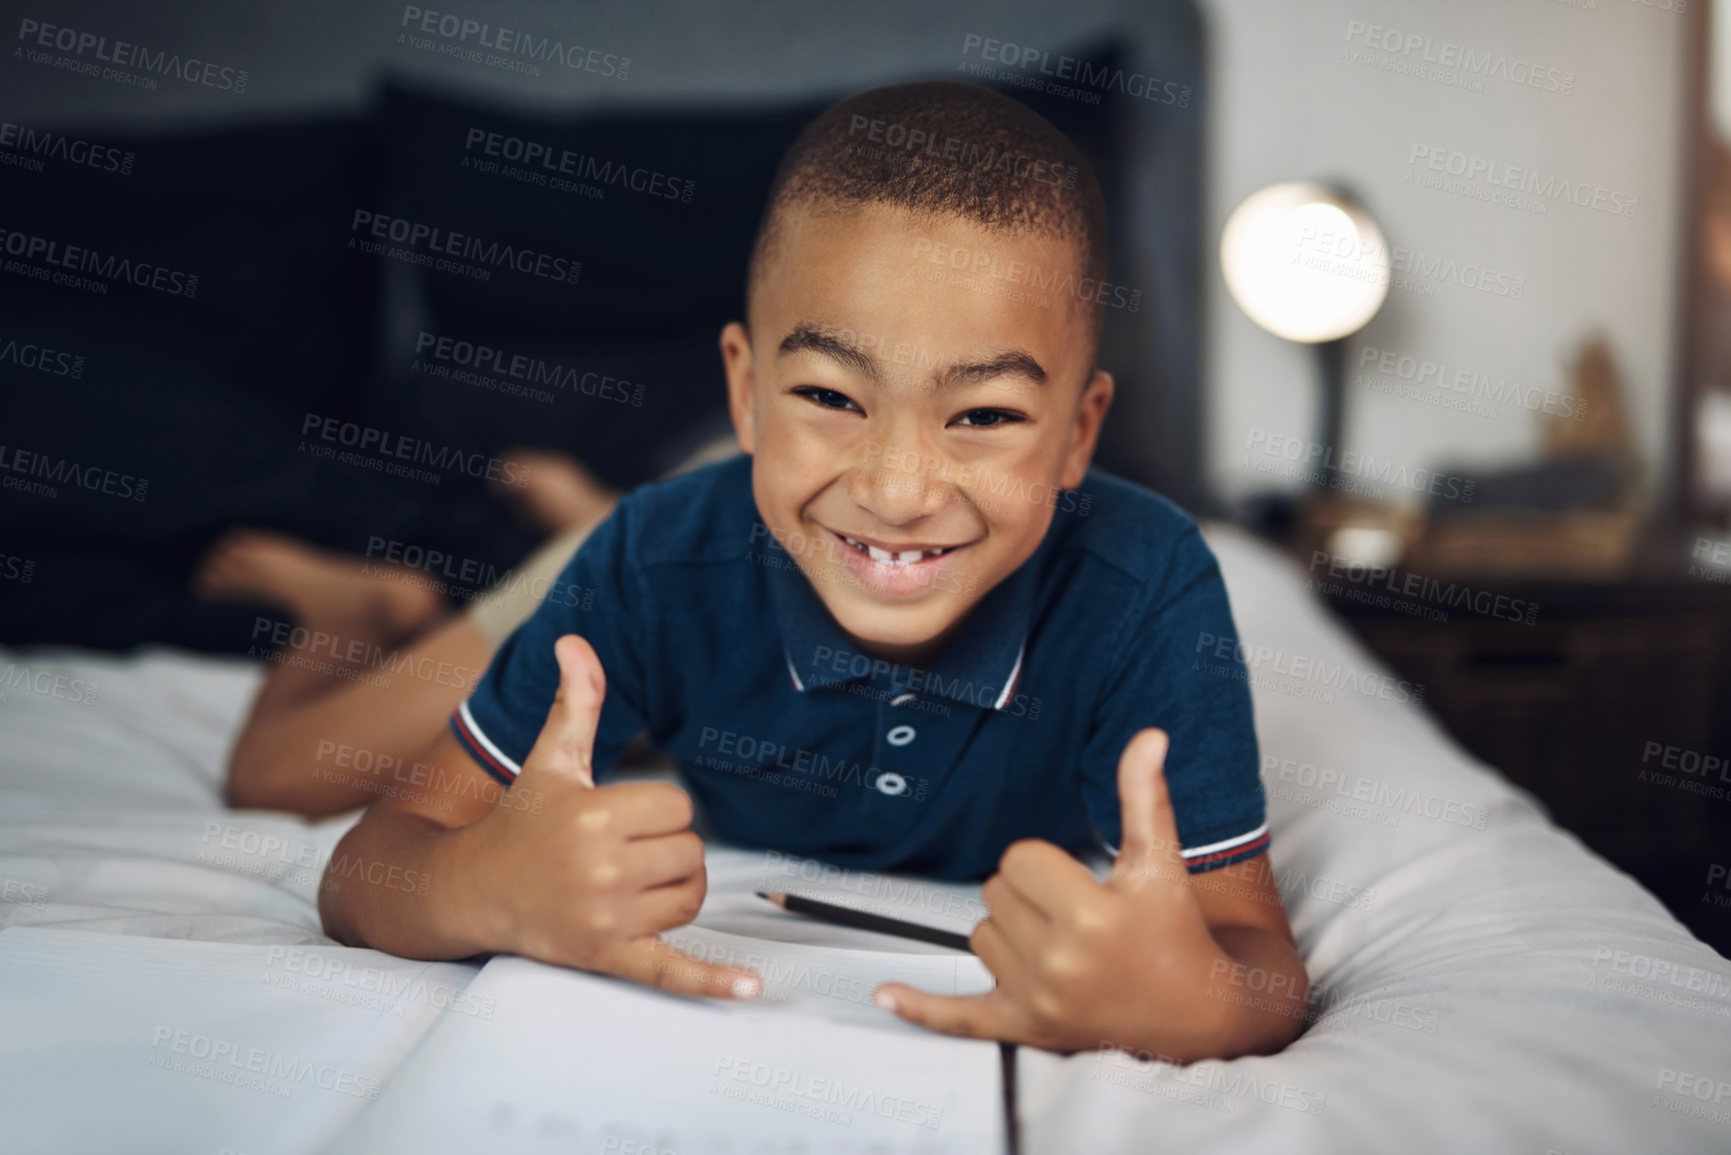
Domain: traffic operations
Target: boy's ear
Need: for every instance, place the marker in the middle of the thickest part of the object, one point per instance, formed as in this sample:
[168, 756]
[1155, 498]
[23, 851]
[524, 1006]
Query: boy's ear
[1085, 433]
[736, 360]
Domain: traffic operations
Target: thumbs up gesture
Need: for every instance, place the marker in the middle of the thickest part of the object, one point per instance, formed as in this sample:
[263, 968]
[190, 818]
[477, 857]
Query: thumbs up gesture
[1082, 963]
[589, 879]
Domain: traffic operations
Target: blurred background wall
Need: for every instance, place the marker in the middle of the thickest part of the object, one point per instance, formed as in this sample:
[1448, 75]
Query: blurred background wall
[1287, 100]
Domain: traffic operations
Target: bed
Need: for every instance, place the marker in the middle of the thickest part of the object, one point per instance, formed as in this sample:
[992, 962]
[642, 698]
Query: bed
[1485, 983]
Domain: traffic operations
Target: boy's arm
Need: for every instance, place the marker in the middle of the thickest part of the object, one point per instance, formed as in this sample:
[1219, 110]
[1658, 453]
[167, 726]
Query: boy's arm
[1153, 959]
[553, 868]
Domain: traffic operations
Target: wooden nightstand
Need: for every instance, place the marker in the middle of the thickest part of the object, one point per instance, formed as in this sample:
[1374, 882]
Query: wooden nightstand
[1612, 705]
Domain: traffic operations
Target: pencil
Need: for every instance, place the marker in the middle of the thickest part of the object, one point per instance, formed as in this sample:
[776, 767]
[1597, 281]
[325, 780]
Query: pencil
[859, 919]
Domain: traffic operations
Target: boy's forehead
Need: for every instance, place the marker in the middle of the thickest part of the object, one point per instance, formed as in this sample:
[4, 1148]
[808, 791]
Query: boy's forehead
[917, 289]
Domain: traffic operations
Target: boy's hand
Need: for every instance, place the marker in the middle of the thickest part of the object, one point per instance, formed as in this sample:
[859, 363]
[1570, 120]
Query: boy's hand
[1080, 963]
[589, 879]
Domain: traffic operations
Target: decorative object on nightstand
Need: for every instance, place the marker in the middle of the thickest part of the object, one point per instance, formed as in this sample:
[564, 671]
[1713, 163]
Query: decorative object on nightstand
[1577, 513]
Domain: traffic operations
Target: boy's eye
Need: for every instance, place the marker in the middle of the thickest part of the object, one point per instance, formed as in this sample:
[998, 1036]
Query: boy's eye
[986, 418]
[828, 398]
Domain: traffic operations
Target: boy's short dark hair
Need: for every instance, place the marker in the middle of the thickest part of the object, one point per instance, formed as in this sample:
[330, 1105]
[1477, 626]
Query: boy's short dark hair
[949, 148]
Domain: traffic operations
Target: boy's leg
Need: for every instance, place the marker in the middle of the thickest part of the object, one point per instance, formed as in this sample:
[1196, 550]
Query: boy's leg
[320, 748]
[309, 731]
[344, 712]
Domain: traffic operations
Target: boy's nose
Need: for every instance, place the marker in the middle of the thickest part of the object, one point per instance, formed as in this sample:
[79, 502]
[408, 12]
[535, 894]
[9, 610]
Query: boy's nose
[900, 487]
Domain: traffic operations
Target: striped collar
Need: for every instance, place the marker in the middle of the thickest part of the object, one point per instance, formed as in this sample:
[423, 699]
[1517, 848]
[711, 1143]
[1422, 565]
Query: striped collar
[981, 665]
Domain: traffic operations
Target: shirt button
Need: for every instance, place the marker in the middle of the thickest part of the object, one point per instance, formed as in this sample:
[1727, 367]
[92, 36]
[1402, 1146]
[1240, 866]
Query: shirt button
[900, 736]
[903, 698]
[889, 782]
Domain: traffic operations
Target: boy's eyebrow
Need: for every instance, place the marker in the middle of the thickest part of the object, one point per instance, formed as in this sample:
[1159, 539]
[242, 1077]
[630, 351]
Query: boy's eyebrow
[1012, 364]
[809, 338]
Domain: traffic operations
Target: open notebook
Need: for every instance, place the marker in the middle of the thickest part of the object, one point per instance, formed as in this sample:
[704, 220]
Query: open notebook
[576, 1063]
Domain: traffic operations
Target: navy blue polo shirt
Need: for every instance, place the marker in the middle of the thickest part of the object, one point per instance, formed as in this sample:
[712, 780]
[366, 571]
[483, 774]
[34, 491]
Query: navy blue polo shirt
[791, 737]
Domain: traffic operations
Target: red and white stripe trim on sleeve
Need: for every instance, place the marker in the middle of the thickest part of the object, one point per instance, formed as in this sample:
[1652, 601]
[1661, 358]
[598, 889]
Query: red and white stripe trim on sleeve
[483, 748]
[1241, 846]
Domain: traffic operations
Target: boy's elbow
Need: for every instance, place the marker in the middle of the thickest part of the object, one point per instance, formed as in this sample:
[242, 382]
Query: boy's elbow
[335, 919]
[254, 782]
[242, 791]
[248, 787]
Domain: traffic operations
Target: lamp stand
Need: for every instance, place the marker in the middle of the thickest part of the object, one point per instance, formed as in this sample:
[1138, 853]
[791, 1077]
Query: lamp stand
[1330, 409]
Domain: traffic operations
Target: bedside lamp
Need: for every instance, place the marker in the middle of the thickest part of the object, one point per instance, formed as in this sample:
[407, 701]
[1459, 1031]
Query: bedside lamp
[1306, 262]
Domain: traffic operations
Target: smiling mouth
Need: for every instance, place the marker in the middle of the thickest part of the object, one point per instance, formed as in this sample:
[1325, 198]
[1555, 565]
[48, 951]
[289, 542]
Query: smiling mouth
[895, 558]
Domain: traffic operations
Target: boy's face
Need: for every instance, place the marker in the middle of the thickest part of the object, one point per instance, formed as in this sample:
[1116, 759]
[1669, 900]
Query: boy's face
[911, 416]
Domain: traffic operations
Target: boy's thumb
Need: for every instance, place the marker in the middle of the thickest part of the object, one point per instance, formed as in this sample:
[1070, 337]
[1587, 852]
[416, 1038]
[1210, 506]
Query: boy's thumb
[566, 744]
[1149, 845]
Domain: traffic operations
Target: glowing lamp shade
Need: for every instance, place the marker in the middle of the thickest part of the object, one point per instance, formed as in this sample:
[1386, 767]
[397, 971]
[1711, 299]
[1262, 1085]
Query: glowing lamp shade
[1305, 262]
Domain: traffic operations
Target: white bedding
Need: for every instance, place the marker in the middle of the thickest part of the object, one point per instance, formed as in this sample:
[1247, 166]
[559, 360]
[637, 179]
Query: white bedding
[1490, 985]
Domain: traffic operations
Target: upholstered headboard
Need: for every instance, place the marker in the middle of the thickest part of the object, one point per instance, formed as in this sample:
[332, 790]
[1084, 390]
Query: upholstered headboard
[287, 309]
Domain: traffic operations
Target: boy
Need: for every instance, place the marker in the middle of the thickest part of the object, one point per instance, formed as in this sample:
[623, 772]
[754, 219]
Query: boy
[913, 588]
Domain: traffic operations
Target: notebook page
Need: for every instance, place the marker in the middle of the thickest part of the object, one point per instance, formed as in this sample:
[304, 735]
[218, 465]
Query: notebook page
[576, 1063]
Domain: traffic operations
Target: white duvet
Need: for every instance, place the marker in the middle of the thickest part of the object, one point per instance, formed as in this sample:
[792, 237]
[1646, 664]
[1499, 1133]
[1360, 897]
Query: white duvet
[1487, 983]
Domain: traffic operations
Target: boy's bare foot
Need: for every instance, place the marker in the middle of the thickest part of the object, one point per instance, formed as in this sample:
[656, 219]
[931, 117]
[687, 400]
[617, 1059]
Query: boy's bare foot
[557, 492]
[315, 584]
